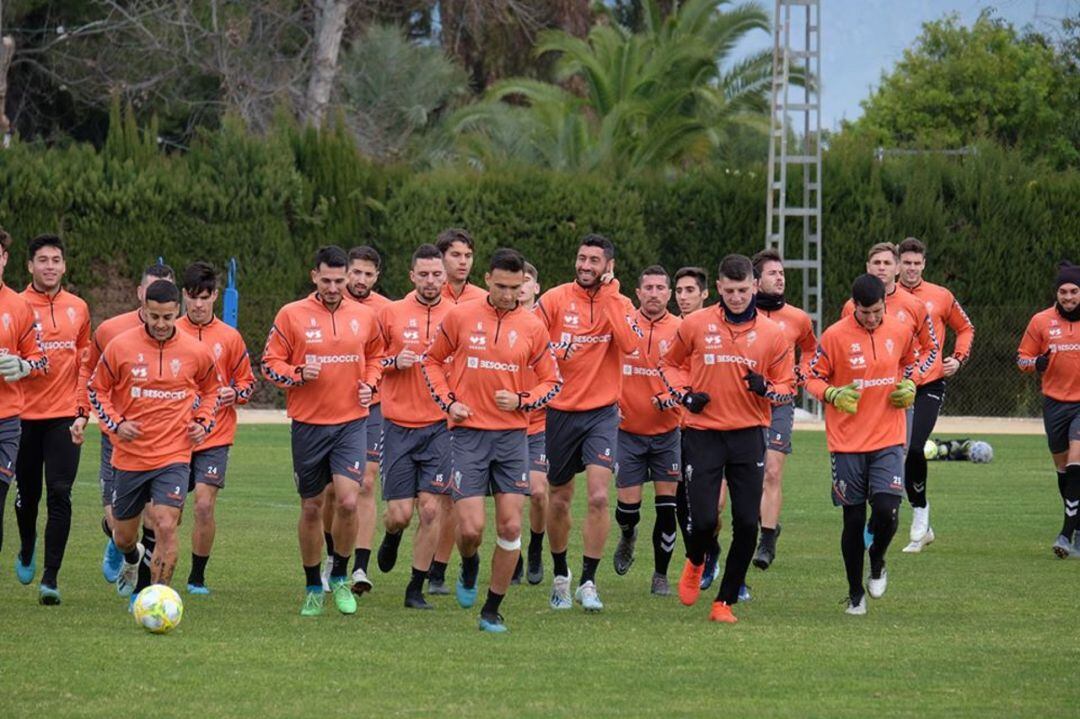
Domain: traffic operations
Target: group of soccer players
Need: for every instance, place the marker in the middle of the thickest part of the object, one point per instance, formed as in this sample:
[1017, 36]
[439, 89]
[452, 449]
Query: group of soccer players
[456, 393]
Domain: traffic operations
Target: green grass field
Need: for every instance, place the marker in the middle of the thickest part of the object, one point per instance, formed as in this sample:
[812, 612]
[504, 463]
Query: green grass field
[985, 623]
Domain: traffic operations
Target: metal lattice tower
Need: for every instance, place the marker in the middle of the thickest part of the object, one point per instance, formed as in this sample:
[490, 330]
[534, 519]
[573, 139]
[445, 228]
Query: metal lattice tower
[797, 109]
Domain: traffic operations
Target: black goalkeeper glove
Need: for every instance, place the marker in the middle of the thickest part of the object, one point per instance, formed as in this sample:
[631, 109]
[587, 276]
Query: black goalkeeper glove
[695, 401]
[1042, 362]
[756, 383]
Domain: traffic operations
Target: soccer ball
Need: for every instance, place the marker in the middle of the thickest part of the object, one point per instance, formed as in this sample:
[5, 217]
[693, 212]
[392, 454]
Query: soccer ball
[981, 452]
[158, 609]
[930, 450]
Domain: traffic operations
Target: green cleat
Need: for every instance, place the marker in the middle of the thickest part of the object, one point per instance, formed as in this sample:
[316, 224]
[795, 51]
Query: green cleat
[313, 604]
[341, 588]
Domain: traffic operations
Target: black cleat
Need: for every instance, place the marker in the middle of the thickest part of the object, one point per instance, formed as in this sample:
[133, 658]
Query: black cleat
[764, 556]
[417, 601]
[387, 556]
[518, 571]
[535, 573]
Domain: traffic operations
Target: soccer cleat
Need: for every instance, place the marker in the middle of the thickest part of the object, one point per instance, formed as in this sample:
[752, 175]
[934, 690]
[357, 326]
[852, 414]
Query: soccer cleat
[129, 574]
[387, 555]
[343, 596]
[624, 553]
[437, 587]
[197, 589]
[534, 572]
[466, 596]
[660, 586]
[876, 587]
[744, 593]
[709, 571]
[1063, 549]
[920, 523]
[588, 597]
[313, 603]
[360, 582]
[690, 583]
[416, 601]
[110, 562]
[1076, 541]
[328, 567]
[721, 612]
[519, 569]
[914, 547]
[857, 609]
[560, 593]
[25, 572]
[764, 556]
[49, 596]
[492, 623]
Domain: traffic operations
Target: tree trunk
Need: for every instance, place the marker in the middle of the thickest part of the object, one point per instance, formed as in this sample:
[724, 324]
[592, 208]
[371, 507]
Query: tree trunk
[7, 51]
[329, 27]
[572, 16]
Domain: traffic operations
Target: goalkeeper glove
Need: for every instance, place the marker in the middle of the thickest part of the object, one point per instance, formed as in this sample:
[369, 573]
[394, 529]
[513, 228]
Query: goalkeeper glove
[845, 399]
[1042, 362]
[904, 394]
[756, 383]
[13, 368]
[695, 401]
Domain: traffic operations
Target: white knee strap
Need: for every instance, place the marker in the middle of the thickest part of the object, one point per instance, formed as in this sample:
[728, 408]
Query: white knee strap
[510, 545]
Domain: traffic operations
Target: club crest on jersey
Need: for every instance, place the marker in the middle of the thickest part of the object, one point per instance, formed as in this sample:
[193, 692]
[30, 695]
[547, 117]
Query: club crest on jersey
[218, 349]
[71, 315]
[6, 319]
[512, 337]
[174, 367]
[889, 345]
[354, 325]
[902, 316]
[751, 337]
[664, 344]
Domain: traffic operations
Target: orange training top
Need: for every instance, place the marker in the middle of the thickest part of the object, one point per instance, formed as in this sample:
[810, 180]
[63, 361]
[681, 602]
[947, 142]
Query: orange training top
[64, 322]
[905, 307]
[537, 418]
[409, 324]
[491, 350]
[469, 293]
[19, 335]
[942, 308]
[641, 378]
[347, 344]
[161, 386]
[375, 302]
[798, 330]
[875, 361]
[1049, 332]
[234, 368]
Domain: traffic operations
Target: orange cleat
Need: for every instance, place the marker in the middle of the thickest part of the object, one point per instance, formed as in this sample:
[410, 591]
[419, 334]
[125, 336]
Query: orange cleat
[690, 582]
[721, 612]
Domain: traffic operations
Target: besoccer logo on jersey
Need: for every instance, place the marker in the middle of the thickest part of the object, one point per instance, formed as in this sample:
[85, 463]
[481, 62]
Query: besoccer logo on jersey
[174, 367]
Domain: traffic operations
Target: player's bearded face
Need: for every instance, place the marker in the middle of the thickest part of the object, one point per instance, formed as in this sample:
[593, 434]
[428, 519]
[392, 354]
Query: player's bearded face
[160, 318]
[329, 283]
[200, 307]
[428, 277]
[1068, 296]
[362, 278]
[504, 287]
[912, 265]
[772, 280]
[870, 317]
[736, 293]
[590, 265]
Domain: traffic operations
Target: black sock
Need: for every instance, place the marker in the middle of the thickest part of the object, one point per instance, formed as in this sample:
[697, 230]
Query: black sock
[559, 559]
[132, 556]
[588, 569]
[1061, 475]
[4, 486]
[149, 542]
[340, 566]
[663, 535]
[768, 534]
[48, 577]
[853, 548]
[198, 569]
[437, 573]
[1072, 501]
[491, 606]
[416, 582]
[627, 515]
[393, 539]
[884, 519]
[313, 577]
[360, 559]
[470, 567]
[105, 528]
[536, 544]
[329, 543]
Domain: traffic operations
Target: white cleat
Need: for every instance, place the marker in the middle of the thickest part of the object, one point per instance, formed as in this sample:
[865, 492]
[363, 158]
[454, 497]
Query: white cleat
[360, 582]
[914, 547]
[560, 593]
[876, 587]
[856, 610]
[588, 597]
[129, 574]
[920, 522]
[328, 566]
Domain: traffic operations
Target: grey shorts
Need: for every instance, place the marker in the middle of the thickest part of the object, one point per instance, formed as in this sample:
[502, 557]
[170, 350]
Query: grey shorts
[538, 461]
[10, 431]
[489, 461]
[106, 470]
[577, 439]
[1062, 423]
[858, 476]
[783, 420]
[133, 490]
[648, 458]
[208, 467]
[374, 432]
[414, 460]
[320, 451]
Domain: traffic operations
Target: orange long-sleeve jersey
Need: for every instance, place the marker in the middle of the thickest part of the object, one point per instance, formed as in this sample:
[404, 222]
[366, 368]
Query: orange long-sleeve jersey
[875, 361]
[64, 322]
[19, 335]
[234, 368]
[375, 302]
[642, 382]
[943, 309]
[798, 330]
[538, 417]
[345, 341]
[469, 293]
[905, 307]
[710, 354]
[590, 330]
[162, 387]
[101, 338]
[1049, 332]
[409, 324]
[491, 350]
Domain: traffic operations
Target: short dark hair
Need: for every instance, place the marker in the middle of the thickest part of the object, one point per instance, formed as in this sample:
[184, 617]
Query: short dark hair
[162, 291]
[199, 277]
[530, 270]
[766, 255]
[5, 240]
[867, 290]
[44, 241]
[595, 240]
[736, 267]
[883, 247]
[367, 254]
[449, 236]
[912, 244]
[159, 270]
[653, 270]
[331, 256]
[426, 251]
[698, 273]
[507, 260]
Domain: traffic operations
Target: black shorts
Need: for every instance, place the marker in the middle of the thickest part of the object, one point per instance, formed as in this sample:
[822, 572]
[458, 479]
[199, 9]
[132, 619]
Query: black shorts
[1062, 423]
[414, 460]
[133, 490]
[208, 467]
[780, 428]
[648, 458]
[575, 440]
[858, 476]
[374, 432]
[320, 451]
[106, 470]
[538, 461]
[489, 461]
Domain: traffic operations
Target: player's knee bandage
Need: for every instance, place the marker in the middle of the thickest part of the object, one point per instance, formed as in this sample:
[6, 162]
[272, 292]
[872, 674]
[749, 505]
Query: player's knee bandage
[510, 545]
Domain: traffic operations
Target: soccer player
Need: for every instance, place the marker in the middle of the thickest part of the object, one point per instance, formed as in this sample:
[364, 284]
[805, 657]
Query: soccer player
[156, 389]
[487, 397]
[649, 435]
[798, 329]
[691, 290]
[106, 331]
[942, 309]
[1051, 348]
[210, 460]
[591, 326]
[416, 441]
[324, 351]
[54, 415]
[862, 370]
[21, 355]
[729, 365]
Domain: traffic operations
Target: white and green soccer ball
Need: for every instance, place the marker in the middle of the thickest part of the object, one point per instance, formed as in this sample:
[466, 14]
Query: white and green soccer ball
[930, 450]
[158, 609]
